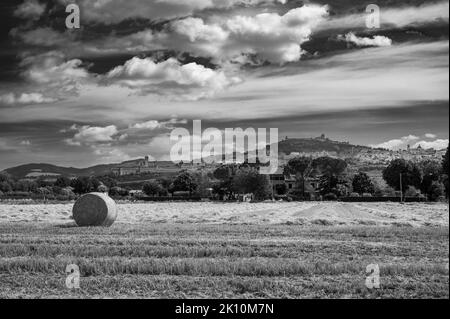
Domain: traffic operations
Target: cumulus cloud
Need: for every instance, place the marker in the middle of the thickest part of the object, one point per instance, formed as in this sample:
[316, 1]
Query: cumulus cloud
[153, 124]
[170, 77]
[53, 73]
[376, 41]
[24, 99]
[263, 37]
[438, 144]
[396, 144]
[52, 69]
[149, 125]
[413, 141]
[270, 36]
[30, 9]
[73, 128]
[87, 135]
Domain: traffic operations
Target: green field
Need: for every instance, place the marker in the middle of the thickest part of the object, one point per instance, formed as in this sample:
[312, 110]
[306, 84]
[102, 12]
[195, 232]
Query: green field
[223, 261]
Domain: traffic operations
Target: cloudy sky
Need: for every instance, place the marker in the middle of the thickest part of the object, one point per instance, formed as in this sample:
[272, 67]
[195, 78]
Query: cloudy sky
[115, 88]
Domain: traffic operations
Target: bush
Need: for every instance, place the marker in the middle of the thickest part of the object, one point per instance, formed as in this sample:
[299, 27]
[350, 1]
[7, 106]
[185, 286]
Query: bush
[250, 181]
[102, 189]
[437, 191]
[56, 190]
[431, 173]
[342, 190]
[299, 195]
[330, 197]
[445, 166]
[152, 188]
[330, 166]
[378, 191]
[6, 182]
[19, 195]
[184, 182]
[25, 186]
[362, 184]
[281, 189]
[181, 194]
[118, 191]
[63, 182]
[412, 192]
[337, 185]
[389, 192]
[204, 185]
[445, 182]
[5, 187]
[83, 185]
[410, 174]
[68, 193]
[45, 191]
[108, 181]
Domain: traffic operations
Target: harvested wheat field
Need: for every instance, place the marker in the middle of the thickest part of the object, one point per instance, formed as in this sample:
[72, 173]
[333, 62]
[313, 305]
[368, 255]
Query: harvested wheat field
[228, 250]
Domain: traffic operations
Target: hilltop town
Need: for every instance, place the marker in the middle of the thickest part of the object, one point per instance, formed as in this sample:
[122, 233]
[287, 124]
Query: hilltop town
[359, 158]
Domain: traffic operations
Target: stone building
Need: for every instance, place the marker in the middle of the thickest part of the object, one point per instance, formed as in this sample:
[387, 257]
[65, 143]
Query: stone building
[141, 166]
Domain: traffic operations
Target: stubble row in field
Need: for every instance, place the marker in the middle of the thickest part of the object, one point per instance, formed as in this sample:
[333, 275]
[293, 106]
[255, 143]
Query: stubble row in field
[208, 260]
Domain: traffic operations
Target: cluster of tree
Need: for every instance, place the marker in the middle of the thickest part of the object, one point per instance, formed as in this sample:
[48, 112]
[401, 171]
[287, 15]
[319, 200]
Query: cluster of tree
[330, 172]
[40, 186]
[103, 184]
[186, 182]
[233, 180]
[225, 182]
[428, 178]
[62, 187]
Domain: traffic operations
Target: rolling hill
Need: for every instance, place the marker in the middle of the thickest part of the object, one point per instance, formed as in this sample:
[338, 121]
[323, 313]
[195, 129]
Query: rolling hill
[314, 145]
[35, 170]
[299, 145]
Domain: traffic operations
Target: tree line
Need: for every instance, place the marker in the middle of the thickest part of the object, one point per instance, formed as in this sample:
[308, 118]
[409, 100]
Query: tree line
[325, 177]
[427, 178]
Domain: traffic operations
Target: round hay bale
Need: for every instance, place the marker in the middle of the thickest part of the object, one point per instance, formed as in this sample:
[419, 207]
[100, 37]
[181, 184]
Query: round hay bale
[94, 209]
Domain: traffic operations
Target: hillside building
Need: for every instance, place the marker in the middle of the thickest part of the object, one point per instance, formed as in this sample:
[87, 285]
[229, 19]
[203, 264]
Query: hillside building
[136, 167]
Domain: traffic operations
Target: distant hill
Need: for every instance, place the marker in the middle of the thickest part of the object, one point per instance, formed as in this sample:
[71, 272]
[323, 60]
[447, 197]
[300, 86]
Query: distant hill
[314, 145]
[294, 145]
[36, 170]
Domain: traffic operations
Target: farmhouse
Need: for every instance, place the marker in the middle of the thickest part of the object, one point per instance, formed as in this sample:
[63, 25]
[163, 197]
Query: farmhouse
[279, 179]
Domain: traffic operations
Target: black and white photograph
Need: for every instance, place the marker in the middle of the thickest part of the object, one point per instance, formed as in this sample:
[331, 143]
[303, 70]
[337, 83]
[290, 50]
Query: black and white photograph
[195, 150]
